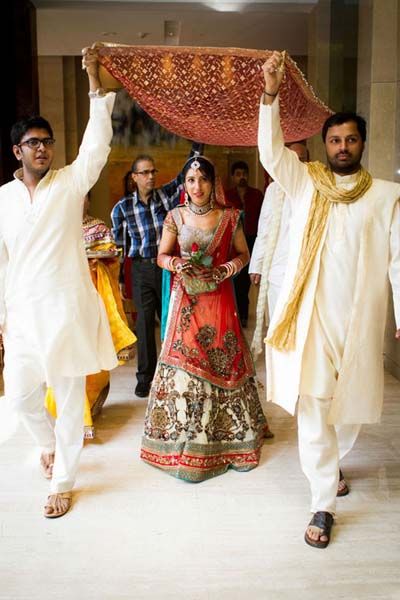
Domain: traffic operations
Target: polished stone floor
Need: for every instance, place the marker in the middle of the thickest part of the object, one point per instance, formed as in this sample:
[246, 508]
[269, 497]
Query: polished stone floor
[135, 533]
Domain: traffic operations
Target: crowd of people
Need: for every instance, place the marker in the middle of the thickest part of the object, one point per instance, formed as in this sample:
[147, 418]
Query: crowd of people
[323, 236]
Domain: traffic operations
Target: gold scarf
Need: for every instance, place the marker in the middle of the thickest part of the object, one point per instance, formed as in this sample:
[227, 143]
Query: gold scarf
[283, 337]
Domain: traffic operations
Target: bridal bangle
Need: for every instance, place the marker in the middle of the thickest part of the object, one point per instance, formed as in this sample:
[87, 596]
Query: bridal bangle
[171, 266]
[232, 267]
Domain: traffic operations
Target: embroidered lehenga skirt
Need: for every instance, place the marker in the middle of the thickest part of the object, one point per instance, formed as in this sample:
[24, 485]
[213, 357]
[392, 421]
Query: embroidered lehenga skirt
[204, 414]
[195, 430]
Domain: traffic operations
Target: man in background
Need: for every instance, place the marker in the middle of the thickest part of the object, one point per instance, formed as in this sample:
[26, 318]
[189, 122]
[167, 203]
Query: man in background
[273, 236]
[249, 200]
[137, 224]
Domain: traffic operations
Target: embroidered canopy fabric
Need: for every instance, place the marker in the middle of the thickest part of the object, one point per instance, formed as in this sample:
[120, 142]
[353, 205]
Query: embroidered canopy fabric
[212, 95]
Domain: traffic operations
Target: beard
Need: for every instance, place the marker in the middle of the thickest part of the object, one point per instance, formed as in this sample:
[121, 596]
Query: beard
[344, 166]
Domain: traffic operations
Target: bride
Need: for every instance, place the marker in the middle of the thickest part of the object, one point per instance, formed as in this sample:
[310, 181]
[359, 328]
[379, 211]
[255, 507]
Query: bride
[204, 414]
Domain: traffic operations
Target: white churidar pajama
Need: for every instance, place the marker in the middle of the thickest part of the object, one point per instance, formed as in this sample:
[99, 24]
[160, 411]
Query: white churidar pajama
[54, 323]
[321, 447]
[336, 367]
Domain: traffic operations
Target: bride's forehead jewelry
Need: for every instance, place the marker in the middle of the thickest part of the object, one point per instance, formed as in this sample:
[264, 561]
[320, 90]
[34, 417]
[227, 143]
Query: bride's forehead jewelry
[195, 165]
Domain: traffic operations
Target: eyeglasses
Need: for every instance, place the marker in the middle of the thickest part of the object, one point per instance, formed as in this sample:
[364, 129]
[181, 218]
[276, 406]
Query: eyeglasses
[34, 143]
[146, 173]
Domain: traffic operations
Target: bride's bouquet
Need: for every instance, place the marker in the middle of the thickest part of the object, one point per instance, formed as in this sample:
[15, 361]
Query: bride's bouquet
[195, 286]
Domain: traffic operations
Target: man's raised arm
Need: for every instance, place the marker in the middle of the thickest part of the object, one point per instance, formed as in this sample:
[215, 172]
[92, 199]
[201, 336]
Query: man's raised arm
[95, 145]
[283, 165]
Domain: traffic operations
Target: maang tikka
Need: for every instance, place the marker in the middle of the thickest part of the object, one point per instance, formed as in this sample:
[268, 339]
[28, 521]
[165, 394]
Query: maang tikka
[195, 165]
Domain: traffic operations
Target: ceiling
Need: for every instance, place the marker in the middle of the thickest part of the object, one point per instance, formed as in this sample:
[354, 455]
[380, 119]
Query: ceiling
[66, 26]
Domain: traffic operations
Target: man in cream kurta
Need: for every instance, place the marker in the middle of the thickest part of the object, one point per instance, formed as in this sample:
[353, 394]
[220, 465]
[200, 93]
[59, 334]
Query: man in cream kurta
[268, 260]
[273, 235]
[53, 321]
[335, 365]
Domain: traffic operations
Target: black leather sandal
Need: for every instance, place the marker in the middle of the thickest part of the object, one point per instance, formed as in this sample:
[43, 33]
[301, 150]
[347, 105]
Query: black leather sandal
[323, 521]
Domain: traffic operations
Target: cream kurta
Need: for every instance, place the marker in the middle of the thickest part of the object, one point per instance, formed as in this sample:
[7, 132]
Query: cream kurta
[274, 199]
[47, 299]
[347, 286]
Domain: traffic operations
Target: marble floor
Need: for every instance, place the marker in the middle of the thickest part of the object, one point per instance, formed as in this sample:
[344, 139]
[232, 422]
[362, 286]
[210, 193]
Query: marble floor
[135, 533]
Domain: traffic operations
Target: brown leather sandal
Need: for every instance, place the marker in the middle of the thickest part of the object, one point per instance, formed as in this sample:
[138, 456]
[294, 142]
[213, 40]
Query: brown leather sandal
[323, 521]
[50, 511]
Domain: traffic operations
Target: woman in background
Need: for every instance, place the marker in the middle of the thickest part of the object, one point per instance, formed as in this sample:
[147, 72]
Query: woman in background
[103, 260]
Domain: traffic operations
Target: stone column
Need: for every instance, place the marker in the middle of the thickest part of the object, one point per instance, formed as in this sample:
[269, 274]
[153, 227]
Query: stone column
[318, 71]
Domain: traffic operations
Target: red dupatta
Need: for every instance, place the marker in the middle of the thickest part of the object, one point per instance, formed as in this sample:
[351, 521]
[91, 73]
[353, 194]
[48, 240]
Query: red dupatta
[204, 336]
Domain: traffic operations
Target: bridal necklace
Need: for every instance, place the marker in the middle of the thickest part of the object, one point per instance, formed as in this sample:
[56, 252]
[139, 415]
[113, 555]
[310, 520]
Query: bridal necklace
[201, 210]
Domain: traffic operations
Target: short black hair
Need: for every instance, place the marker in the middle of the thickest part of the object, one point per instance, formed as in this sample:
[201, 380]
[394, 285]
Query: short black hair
[344, 117]
[239, 164]
[19, 128]
[139, 159]
[206, 167]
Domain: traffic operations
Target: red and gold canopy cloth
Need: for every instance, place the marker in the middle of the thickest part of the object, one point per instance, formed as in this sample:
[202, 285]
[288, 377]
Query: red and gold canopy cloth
[212, 95]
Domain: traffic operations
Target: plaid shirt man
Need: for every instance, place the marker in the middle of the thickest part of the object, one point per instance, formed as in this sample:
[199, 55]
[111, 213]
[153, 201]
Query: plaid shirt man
[137, 226]
[143, 222]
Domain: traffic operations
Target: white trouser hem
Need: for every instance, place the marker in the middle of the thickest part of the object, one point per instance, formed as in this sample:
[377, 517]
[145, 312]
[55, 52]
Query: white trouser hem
[320, 446]
[60, 488]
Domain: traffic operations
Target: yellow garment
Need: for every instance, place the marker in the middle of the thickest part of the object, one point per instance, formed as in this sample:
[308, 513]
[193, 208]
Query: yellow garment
[102, 247]
[283, 337]
[105, 278]
[107, 286]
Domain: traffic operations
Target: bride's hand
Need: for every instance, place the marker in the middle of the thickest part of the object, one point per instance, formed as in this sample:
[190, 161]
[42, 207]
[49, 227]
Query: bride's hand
[202, 273]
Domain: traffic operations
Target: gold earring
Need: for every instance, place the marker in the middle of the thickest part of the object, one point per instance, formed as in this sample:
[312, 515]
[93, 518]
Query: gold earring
[186, 203]
[212, 199]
